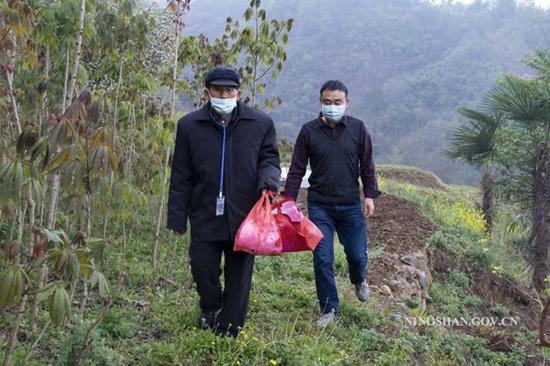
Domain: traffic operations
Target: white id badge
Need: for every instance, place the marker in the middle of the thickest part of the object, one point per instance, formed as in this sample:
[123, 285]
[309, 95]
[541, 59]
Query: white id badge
[220, 204]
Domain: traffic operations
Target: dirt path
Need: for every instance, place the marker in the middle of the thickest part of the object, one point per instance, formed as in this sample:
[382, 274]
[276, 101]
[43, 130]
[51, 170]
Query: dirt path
[398, 231]
[398, 234]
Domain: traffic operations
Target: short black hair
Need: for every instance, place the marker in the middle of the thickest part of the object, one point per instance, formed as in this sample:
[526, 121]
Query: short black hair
[334, 85]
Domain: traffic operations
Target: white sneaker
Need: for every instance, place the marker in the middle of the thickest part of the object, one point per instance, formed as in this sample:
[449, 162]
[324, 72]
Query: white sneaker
[362, 291]
[326, 318]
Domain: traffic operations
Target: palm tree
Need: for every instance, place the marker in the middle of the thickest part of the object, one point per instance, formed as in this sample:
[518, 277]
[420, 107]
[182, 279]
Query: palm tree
[475, 144]
[522, 107]
[526, 105]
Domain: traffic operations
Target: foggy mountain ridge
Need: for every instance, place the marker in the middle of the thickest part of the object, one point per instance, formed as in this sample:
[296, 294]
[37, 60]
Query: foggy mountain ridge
[409, 65]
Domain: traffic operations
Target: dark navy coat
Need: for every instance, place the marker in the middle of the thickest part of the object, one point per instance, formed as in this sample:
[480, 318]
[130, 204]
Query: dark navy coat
[251, 164]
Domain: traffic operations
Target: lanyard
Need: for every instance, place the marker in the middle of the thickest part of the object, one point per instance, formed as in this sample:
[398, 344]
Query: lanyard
[223, 160]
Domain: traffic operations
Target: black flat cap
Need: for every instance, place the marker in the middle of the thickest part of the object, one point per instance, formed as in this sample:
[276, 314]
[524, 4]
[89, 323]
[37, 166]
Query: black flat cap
[223, 76]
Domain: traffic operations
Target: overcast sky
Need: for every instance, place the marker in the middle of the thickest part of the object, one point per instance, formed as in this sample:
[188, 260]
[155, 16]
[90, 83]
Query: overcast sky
[542, 3]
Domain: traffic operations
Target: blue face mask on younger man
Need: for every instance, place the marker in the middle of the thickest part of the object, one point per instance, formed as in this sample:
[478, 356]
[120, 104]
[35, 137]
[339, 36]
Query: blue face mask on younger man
[333, 112]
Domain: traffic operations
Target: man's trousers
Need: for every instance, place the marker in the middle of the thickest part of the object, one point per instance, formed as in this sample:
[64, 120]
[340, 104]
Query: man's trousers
[205, 258]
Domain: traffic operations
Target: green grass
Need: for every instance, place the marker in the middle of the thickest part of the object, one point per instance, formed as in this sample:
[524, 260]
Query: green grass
[461, 228]
[154, 322]
[381, 168]
[280, 329]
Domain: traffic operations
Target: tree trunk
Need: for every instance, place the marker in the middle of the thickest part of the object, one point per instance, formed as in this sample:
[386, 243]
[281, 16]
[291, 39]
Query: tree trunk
[161, 211]
[42, 116]
[56, 181]
[117, 93]
[88, 214]
[43, 267]
[57, 177]
[487, 189]
[83, 301]
[54, 198]
[32, 213]
[10, 69]
[5, 127]
[12, 342]
[36, 299]
[255, 53]
[77, 51]
[22, 212]
[43, 200]
[130, 146]
[540, 233]
[32, 216]
[105, 227]
[143, 117]
[66, 82]
[175, 71]
[167, 157]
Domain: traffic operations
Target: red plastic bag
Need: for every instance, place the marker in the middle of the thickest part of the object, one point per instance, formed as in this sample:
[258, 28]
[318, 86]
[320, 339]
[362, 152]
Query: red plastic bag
[297, 231]
[259, 233]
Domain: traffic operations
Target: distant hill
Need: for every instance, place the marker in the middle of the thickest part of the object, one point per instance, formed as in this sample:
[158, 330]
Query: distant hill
[409, 65]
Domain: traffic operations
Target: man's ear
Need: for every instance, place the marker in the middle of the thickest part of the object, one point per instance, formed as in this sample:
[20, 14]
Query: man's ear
[239, 94]
[207, 94]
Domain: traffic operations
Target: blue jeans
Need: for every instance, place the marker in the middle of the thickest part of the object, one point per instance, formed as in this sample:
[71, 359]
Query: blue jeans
[350, 224]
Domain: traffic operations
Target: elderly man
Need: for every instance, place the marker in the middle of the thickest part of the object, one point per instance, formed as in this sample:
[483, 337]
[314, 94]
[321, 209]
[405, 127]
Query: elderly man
[339, 150]
[225, 156]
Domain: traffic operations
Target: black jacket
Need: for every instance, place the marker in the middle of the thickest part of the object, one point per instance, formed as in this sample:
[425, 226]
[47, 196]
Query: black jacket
[251, 164]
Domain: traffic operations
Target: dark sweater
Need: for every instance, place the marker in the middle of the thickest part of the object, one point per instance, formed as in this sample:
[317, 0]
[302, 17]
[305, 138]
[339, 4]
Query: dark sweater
[338, 156]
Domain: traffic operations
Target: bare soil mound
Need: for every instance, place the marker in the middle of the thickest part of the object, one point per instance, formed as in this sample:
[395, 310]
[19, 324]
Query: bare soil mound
[413, 176]
[398, 234]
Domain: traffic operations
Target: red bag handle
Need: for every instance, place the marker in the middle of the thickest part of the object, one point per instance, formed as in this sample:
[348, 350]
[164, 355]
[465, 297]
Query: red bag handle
[277, 200]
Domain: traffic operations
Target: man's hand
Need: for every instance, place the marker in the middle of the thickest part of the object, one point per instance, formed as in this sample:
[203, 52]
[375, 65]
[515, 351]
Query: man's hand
[369, 207]
[179, 232]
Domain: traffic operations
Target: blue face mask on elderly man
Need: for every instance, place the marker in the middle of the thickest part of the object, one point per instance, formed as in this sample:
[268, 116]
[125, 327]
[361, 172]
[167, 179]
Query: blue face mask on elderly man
[223, 105]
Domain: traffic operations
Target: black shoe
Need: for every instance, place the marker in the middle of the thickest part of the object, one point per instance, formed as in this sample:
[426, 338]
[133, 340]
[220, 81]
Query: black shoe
[224, 332]
[208, 319]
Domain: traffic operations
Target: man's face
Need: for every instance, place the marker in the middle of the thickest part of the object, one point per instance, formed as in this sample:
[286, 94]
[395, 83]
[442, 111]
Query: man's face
[333, 97]
[223, 92]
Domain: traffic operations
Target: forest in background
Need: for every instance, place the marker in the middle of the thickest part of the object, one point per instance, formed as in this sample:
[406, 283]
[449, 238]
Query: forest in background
[409, 65]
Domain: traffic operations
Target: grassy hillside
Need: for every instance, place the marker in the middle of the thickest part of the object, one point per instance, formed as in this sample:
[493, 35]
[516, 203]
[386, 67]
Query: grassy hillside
[153, 319]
